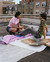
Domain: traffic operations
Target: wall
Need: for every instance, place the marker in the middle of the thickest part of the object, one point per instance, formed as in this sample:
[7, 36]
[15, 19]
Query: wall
[1, 7]
[3, 4]
[34, 19]
[40, 8]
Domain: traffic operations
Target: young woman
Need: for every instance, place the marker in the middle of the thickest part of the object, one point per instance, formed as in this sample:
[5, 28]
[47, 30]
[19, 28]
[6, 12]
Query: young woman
[13, 25]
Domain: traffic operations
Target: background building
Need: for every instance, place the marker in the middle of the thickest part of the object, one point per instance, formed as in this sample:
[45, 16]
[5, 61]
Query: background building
[4, 6]
[25, 7]
[34, 6]
[48, 6]
[39, 6]
[6, 0]
[27, 0]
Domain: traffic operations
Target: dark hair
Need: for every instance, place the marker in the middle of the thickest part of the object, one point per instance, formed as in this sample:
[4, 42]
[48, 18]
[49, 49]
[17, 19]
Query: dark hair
[44, 16]
[17, 14]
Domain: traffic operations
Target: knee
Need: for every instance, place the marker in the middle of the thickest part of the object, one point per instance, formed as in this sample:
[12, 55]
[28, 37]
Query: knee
[20, 29]
[15, 30]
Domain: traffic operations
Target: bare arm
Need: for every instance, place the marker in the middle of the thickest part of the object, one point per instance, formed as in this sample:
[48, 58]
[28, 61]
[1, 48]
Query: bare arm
[13, 26]
[46, 28]
[18, 24]
[21, 27]
[44, 32]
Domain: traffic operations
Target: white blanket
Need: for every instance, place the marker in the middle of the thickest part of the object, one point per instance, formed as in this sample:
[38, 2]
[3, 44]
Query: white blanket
[25, 46]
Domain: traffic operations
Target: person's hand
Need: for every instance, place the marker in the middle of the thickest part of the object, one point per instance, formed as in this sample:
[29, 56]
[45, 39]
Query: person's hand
[21, 27]
[44, 39]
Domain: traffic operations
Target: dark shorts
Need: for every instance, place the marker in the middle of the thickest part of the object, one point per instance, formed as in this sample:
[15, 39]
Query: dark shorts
[9, 28]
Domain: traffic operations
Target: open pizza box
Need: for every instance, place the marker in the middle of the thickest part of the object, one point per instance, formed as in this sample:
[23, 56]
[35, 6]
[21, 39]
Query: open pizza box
[36, 43]
[46, 42]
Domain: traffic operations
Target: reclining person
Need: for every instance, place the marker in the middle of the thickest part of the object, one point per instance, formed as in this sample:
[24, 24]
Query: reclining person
[14, 25]
[41, 30]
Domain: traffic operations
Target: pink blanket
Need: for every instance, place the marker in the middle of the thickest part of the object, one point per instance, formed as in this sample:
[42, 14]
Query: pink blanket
[10, 38]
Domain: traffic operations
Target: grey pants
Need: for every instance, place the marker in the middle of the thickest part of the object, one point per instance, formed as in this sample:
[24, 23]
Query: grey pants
[28, 31]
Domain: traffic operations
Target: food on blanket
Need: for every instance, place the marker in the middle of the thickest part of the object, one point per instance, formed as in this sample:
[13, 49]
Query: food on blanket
[46, 42]
[32, 42]
[35, 43]
[28, 40]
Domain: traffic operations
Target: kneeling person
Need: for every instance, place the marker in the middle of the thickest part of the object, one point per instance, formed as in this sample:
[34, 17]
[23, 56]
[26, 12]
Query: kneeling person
[14, 25]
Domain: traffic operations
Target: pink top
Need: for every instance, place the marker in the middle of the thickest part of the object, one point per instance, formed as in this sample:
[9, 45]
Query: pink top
[13, 20]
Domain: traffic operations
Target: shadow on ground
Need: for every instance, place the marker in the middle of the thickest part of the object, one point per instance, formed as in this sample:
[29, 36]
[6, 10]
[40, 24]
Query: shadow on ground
[43, 56]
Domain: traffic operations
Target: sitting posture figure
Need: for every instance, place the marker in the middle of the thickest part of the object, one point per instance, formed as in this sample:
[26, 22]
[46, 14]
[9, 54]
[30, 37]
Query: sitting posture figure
[41, 30]
[13, 25]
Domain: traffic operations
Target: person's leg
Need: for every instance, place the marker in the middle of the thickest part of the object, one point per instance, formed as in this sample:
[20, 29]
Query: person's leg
[28, 31]
[12, 31]
[19, 30]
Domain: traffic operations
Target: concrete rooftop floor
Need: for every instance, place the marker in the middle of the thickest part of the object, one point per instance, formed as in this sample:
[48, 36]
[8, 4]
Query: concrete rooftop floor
[9, 53]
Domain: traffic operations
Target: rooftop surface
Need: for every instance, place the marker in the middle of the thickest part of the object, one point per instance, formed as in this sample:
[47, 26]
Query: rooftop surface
[10, 53]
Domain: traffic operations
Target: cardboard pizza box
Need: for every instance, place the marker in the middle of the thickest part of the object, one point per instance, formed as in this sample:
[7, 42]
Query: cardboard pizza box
[32, 42]
[37, 43]
[46, 42]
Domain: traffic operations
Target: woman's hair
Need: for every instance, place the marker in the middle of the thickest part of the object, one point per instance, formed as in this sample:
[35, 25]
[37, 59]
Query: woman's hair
[44, 16]
[17, 14]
